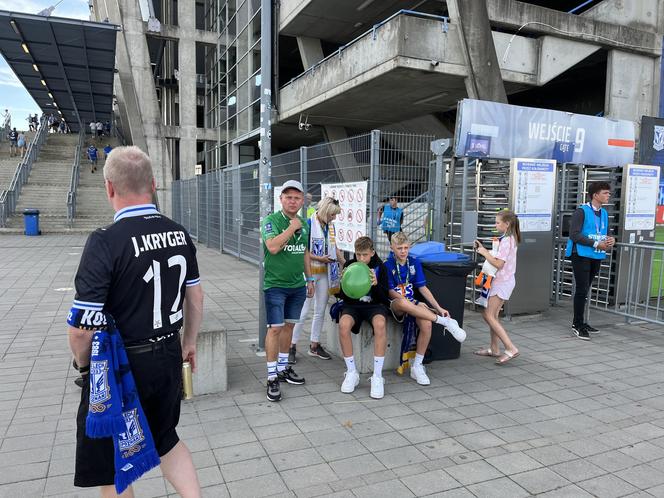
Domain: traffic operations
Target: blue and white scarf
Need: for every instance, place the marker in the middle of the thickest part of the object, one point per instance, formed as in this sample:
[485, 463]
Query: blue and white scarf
[115, 409]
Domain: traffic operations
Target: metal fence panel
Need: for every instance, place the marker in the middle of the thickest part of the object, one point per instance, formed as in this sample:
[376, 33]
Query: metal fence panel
[203, 208]
[214, 199]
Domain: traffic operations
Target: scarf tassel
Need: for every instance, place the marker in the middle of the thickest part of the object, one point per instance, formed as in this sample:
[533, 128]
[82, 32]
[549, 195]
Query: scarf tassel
[146, 462]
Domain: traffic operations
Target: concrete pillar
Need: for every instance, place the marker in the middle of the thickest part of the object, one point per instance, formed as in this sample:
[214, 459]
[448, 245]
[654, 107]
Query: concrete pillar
[311, 51]
[187, 87]
[632, 84]
[484, 80]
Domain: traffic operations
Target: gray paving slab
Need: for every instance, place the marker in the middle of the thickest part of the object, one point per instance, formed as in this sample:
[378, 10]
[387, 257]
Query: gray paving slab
[564, 419]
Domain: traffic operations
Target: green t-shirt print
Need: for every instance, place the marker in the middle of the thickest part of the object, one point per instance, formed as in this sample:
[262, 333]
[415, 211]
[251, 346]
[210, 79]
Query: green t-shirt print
[286, 268]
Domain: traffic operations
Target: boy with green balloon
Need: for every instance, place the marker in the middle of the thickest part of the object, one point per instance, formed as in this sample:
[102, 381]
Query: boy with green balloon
[364, 291]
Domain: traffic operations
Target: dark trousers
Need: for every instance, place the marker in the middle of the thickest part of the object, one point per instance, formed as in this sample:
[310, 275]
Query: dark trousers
[585, 270]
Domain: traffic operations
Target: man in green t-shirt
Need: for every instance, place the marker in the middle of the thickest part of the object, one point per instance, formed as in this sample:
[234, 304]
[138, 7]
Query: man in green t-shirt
[287, 283]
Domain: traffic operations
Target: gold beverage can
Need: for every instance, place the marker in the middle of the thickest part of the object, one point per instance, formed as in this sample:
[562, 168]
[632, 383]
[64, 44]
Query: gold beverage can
[187, 381]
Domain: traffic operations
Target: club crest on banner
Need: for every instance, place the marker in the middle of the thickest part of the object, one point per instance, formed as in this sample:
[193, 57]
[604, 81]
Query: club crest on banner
[99, 390]
[658, 138]
[134, 433]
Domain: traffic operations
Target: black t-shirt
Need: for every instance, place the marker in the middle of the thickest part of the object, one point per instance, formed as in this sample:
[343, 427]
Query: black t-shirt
[137, 271]
[379, 293]
[13, 136]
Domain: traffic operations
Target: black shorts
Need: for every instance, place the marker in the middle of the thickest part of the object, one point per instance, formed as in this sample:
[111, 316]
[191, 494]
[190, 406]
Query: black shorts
[158, 378]
[363, 313]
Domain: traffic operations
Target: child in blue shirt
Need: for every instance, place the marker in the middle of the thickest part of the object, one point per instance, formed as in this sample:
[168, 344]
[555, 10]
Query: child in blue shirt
[92, 156]
[410, 295]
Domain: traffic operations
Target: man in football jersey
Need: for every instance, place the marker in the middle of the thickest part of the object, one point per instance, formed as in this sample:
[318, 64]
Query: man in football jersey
[142, 271]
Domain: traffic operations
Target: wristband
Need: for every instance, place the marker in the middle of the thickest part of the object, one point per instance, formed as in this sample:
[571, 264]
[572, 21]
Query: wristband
[311, 279]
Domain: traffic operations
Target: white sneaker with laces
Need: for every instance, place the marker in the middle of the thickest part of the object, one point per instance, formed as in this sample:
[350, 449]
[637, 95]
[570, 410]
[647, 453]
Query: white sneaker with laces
[419, 373]
[453, 326]
[377, 387]
[351, 380]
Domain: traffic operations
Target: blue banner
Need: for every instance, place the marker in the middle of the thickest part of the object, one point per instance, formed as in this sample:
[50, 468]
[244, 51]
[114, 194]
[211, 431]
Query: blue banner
[503, 131]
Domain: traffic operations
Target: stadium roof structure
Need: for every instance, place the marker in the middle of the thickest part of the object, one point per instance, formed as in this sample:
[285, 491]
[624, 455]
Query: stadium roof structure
[67, 65]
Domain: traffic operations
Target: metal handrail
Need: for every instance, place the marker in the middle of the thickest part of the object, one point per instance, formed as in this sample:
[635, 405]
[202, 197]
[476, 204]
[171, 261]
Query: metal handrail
[9, 198]
[73, 182]
[338, 53]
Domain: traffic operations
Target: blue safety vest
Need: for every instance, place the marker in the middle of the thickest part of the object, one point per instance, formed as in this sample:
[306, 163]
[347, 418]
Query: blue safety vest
[593, 228]
[391, 220]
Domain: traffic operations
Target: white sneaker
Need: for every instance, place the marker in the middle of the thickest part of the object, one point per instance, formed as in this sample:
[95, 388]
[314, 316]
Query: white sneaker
[377, 387]
[419, 373]
[351, 380]
[457, 332]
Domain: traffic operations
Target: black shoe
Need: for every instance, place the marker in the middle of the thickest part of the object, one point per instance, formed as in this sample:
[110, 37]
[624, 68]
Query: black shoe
[290, 377]
[273, 391]
[291, 355]
[319, 352]
[591, 330]
[79, 382]
[581, 332]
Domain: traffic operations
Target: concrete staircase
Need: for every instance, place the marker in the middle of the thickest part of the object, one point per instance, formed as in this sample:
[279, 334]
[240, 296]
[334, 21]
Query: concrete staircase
[92, 207]
[48, 185]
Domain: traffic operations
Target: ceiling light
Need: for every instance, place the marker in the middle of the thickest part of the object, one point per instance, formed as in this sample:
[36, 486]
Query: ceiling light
[43, 82]
[34, 66]
[25, 48]
[364, 5]
[55, 105]
[15, 27]
[50, 94]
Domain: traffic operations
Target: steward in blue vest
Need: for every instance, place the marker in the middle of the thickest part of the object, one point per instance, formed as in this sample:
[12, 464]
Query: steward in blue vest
[391, 218]
[586, 247]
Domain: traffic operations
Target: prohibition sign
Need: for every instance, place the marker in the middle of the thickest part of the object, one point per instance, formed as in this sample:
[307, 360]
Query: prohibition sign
[359, 216]
[360, 195]
[340, 216]
[350, 216]
[358, 234]
[350, 195]
[350, 235]
[341, 235]
[342, 195]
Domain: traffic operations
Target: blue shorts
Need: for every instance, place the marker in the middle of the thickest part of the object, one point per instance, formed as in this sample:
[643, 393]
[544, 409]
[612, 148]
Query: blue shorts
[283, 305]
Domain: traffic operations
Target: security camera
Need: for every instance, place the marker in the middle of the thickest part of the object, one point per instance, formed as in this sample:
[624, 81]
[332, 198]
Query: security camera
[434, 63]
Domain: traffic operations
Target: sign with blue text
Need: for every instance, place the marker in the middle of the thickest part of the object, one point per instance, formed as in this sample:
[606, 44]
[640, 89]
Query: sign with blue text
[533, 190]
[503, 131]
[642, 189]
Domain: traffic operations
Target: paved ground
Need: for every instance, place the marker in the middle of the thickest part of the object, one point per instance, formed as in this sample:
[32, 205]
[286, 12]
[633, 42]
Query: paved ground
[567, 418]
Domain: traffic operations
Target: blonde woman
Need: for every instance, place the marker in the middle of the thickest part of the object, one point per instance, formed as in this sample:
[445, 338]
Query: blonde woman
[326, 259]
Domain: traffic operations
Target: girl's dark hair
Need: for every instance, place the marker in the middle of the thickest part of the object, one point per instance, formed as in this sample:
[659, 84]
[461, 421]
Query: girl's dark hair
[510, 217]
[595, 187]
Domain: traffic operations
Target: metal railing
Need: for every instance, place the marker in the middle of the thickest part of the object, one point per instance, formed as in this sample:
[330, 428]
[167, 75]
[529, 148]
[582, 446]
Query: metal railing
[639, 295]
[73, 182]
[9, 197]
[221, 208]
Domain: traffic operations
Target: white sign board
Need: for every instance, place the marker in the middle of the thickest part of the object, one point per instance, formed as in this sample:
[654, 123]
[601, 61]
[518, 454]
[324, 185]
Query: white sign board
[276, 203]
[351, 223]
[642, 190]
[534, 185]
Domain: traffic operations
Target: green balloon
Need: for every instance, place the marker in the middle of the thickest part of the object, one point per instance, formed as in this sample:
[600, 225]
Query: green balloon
[356, 280]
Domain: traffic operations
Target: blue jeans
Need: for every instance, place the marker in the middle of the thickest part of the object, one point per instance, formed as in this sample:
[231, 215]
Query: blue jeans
[283, 305]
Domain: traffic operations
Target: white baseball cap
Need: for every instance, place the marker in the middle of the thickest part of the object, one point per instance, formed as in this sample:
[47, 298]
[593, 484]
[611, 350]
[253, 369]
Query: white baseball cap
[292, 184]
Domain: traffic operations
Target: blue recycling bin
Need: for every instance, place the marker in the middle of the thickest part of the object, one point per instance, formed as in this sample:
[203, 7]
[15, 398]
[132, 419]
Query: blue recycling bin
[31, 221]
[446, 274]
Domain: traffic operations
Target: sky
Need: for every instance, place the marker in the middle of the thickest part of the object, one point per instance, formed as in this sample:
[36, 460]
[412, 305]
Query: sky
[12, 94]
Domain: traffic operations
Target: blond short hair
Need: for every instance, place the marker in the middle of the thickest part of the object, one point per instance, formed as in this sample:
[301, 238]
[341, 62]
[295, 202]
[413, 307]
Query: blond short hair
[129, 169]
[327, 208]
[400, 238]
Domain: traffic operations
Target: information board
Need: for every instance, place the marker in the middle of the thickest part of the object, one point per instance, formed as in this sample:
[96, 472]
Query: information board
[351, 223]
[642, 190]
[534, 185]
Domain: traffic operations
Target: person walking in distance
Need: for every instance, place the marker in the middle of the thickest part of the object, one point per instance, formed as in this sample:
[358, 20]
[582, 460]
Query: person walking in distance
[507, 223]
[287, 283]
[325, 260]
[390, 218]
[141, 271]
[587, 246]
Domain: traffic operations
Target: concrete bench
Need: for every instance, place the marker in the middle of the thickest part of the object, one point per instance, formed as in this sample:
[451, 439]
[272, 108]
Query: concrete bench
[211, 371]
[363, 345]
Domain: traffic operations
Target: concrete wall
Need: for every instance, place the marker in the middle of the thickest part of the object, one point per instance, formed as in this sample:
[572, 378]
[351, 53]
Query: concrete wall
[646, 15]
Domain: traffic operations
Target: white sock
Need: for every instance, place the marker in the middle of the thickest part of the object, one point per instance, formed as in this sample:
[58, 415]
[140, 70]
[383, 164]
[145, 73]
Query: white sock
[271, 370]
[378, 366]
[419, 358]
[283, 362]
[350, 363]
[442, 320]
